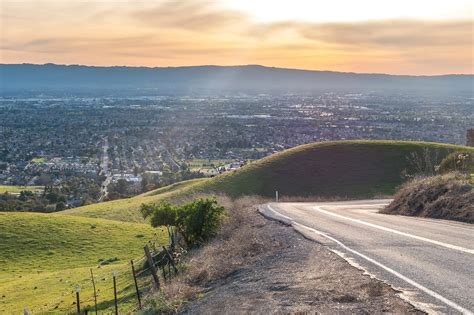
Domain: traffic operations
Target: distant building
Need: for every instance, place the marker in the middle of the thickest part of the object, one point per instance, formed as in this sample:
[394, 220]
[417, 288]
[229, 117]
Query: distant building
[470, 138]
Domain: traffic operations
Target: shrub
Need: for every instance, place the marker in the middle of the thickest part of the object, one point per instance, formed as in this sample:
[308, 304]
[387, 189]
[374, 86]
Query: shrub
[163, 214]
[458, 162]
[197, 221]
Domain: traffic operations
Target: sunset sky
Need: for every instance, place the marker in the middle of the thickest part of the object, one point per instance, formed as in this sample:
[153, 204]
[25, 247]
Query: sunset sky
[399, 37]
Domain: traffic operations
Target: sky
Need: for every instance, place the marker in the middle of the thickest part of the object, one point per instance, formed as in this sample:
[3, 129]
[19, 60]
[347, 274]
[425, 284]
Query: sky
[421, 37]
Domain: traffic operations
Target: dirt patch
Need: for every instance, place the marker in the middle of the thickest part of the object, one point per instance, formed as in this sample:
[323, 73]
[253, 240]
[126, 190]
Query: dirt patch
[449, 196]
[261, 266]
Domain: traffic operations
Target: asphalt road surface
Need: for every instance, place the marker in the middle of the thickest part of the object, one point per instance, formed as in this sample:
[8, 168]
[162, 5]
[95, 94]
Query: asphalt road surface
[105, 170]
[431, 261]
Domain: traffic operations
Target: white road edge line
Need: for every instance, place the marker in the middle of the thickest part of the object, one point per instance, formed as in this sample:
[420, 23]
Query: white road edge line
[420, 238]
[395, 273]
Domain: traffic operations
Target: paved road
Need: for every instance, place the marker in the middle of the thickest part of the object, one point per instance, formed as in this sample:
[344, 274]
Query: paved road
[105, 170]
[432, 261]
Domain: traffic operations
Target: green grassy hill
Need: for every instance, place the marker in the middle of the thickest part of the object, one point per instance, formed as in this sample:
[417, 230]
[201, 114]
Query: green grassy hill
[352, 169]
[43, 257]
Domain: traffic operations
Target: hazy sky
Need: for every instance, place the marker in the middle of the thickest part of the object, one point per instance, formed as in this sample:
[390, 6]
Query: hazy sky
[397, 36]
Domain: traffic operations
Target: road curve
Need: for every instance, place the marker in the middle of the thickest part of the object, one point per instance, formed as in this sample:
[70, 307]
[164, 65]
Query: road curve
[431, 261]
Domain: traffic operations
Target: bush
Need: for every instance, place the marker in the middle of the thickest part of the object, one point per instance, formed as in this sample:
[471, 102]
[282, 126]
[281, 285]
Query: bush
[163, 214]
[197, 222]
[458, 162]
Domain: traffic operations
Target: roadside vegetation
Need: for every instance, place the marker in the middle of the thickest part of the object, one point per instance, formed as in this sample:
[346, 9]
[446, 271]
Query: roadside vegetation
[447, 195]
[234, 242]
[195, 222]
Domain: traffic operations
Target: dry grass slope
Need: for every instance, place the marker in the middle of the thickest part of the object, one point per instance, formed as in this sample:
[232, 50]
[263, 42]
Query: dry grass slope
[449, 196]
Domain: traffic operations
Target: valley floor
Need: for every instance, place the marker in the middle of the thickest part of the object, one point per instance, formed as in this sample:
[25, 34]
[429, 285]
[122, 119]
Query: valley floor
[291, 274]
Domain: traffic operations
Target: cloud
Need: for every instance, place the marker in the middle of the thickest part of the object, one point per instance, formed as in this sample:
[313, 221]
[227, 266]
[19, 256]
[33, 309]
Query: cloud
[191, 15]
[388, 33]
[395, 33]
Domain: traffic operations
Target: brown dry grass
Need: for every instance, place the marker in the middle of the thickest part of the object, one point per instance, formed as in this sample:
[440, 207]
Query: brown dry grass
[237, 244]
[448, 196]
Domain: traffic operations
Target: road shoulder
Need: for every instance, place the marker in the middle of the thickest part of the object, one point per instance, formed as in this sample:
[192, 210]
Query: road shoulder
[293, 274]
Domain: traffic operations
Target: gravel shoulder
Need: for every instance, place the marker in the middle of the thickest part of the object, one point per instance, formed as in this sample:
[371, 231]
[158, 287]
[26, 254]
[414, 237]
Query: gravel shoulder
[290, 274]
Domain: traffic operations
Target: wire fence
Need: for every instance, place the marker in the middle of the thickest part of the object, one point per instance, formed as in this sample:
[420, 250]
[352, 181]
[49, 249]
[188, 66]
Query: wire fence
[117, 291]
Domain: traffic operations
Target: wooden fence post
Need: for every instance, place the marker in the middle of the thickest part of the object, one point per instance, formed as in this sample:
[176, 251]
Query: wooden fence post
[115, 294]
[152, 266]
[171, 260]
[136, 285]
[95, 293]
[163, 271]
[77, 300]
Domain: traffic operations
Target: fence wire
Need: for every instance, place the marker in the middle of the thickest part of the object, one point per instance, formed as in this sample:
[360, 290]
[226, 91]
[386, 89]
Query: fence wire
[104, 285]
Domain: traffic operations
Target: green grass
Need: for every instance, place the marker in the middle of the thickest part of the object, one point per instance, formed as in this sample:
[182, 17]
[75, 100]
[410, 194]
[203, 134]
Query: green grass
[17, 189]
[43, 257]
[127, 209]
[352, 169]
[173, 187]
[39, 160]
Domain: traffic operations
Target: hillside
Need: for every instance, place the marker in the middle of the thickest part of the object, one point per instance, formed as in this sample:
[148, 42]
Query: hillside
[43, 257]
[127, 209]
[252, 78]
[350, 169]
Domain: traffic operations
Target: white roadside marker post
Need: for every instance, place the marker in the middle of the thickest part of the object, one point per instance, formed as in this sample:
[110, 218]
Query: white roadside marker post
[276, 195]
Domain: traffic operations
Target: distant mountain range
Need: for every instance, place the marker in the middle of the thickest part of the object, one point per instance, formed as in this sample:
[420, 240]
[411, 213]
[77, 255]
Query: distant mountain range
[249, 78]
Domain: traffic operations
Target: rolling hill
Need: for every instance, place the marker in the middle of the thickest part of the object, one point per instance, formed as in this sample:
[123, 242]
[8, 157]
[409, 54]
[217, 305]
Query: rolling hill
[349, 169]
[44, 257]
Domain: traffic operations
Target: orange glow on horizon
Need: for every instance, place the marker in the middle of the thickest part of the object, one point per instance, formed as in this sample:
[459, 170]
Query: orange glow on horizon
[226, 32]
